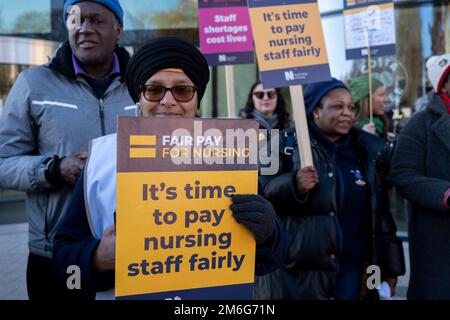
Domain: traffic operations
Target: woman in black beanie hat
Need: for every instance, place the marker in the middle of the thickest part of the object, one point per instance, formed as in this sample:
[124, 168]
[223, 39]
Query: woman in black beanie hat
[166, 77]
[169, 54]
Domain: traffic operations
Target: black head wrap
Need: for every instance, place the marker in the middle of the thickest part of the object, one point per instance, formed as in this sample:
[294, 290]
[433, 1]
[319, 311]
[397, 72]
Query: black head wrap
[165, 53]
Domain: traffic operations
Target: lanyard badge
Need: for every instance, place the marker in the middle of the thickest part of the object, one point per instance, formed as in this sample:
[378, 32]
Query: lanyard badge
[359, 179]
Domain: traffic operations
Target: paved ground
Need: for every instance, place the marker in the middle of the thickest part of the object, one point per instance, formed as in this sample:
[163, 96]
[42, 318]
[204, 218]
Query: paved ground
[14, 253]
[13, 261]
[402, 285]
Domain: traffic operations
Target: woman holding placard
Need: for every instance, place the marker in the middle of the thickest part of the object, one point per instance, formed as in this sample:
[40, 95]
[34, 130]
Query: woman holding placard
[342, 234]
[167, 77]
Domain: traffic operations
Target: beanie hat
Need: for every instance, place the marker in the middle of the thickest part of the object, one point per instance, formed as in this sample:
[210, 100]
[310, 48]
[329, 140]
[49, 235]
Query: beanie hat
[166, 53]
[359, 87]
[112, 5]
[438, 68]
[316, 91]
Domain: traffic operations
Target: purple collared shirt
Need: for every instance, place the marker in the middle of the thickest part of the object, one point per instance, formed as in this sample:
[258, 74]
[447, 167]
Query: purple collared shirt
[79, 69]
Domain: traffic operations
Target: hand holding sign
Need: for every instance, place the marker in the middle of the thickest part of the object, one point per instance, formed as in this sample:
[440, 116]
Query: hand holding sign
[306, 179]
[256, 213]
[105, 255]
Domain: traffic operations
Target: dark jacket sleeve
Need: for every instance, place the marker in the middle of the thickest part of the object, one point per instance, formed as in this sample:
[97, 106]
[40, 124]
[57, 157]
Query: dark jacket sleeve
[281, 192]
[74, 244]
[388, 248]
[272, 255]
[408, 171]
[280, 189]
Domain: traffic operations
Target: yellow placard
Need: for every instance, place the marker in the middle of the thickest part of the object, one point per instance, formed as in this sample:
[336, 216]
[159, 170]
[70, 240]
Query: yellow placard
[194, 244]
[288, 36]
[176, 236]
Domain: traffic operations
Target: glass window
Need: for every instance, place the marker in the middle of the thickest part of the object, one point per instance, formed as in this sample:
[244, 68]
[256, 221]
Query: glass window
[8, 74]
[12, 203]
[25, 16]
[167, 14]
[244, 76]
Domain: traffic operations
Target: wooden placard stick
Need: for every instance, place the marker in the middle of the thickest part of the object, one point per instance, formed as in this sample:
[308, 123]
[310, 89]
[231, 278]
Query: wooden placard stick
[369, 65]
[231, 99]
[301, 126]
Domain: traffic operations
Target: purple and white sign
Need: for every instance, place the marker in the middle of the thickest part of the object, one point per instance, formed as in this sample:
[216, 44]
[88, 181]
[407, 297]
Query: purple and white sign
[225, 32]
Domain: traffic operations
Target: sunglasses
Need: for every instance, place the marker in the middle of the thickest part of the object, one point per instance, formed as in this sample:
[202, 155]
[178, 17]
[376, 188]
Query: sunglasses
[155, 93]
[260, 94]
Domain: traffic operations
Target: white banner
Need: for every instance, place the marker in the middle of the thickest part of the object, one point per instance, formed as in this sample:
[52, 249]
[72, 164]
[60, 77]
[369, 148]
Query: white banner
[363, 27]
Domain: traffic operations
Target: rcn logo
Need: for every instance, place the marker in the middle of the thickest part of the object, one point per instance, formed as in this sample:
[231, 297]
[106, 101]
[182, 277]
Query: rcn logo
[289, 75]
[222, 58]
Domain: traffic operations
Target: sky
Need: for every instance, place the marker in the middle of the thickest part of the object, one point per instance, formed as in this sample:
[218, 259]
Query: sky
[330, 5]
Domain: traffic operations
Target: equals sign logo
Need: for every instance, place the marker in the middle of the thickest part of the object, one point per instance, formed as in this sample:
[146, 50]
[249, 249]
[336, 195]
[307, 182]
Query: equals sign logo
[140, 147]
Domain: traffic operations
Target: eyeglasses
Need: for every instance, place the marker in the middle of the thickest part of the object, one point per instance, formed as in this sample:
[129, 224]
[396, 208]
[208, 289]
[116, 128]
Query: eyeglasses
[260, 94]
[155, 93]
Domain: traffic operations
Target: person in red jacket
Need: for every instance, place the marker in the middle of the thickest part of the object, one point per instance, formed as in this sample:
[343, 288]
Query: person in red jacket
[421, 173]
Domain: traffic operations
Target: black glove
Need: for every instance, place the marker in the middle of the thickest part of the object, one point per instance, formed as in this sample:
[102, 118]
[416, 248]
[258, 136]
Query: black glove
[53, 172]
[256, 214]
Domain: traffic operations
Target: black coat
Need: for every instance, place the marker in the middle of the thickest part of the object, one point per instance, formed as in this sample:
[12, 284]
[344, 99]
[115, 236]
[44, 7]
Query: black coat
[313, 227]
[421, 173]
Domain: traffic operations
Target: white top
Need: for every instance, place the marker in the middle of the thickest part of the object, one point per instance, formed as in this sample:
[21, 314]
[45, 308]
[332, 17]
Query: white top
[100, 190]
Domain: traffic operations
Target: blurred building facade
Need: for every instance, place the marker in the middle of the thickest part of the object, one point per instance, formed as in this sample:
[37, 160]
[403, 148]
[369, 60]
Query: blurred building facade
[30, 31]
